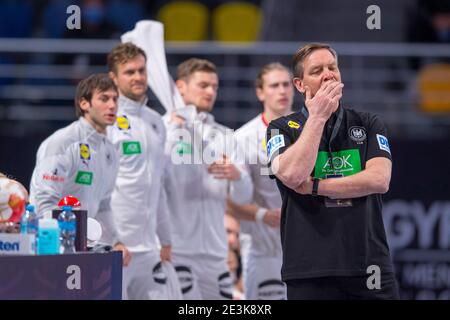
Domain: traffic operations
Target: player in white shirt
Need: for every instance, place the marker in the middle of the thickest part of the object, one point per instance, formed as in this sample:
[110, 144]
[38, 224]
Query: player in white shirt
[261, 219]
[79, 159]
[138, 201]
[199, 238]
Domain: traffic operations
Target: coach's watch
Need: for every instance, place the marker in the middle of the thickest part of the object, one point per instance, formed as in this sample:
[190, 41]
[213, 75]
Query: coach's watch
[315, 187]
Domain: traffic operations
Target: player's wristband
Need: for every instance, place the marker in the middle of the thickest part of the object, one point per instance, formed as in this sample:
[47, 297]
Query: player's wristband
[315, 187]
[260, 214]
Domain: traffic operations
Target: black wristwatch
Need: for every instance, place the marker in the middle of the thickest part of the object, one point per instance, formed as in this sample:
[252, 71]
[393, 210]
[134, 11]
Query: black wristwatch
[315, 187]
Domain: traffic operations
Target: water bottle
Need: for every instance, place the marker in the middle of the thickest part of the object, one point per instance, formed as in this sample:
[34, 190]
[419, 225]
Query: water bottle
[29, 222]
[67, 224]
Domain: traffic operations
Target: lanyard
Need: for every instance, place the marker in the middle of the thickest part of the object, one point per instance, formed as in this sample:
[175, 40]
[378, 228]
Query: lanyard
[334, 133]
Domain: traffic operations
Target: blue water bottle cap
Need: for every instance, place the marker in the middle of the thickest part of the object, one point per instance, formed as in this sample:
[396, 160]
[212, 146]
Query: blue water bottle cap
[30, 207]
[67, 208]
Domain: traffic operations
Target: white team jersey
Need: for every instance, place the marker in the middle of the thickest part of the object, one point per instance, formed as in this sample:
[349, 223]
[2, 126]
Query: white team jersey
[78, 161]
[138, 206]
[198, 224]
[252, 138]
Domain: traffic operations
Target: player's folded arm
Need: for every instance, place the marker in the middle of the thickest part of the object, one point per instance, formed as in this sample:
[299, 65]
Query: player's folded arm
[375, 178]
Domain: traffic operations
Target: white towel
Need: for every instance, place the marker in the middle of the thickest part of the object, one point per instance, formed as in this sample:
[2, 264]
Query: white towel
[173, 284]
[149, 36]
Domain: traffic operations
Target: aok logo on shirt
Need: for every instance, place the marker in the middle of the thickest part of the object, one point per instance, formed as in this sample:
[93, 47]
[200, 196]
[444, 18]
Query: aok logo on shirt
[184, 148]
[131, 147]
[344, 162]
[84, 177]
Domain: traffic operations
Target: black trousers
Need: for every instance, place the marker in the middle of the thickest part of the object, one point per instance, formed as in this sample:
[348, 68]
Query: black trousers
[341, 288]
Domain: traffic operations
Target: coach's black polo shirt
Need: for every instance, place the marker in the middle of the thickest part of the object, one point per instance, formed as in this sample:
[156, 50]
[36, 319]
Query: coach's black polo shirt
[332, 238]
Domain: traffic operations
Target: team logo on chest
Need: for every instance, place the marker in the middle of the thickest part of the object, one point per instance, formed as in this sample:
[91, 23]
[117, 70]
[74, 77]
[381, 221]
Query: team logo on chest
[357, 134]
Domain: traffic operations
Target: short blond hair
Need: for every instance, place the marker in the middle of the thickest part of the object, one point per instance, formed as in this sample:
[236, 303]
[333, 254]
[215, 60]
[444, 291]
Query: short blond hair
[187, 68]
[259, 82]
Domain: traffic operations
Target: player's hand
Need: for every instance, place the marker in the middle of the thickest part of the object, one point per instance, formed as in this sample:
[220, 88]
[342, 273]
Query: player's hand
[272, 217]
[166, 253]
[325, 101]
[224, 169]
[125, 253]
[175, 118]
[305, 187]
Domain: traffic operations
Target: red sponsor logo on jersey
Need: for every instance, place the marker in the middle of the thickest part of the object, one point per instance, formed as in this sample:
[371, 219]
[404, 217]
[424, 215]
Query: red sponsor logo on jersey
[53, 178]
